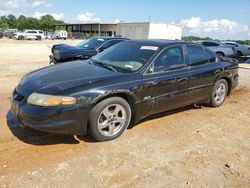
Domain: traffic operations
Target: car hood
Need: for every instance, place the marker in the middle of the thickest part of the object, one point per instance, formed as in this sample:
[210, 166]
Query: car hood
[57, 78]
[67, 51]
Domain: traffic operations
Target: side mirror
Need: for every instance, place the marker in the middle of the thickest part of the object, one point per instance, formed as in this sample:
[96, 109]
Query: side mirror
[151, 69]
[101, 49]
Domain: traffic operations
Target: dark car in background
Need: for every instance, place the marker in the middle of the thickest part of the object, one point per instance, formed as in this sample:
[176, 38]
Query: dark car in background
[122, 85]
[1, 33]
[84, 50]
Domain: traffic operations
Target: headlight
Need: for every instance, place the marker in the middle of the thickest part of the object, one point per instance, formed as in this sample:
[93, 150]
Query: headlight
[50, 100]
[56, 54]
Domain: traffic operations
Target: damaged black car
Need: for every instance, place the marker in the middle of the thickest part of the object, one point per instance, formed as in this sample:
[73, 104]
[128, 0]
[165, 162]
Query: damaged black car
[84, 50]
[120, 86]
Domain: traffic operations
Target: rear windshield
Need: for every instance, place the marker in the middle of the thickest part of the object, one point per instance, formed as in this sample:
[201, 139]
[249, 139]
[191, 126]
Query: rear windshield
[91, 43]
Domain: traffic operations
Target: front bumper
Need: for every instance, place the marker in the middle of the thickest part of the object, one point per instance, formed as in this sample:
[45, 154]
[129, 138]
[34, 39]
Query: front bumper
[71, 120]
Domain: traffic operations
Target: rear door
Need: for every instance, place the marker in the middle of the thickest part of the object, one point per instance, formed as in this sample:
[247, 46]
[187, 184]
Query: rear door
[203, 71]
[166, 87]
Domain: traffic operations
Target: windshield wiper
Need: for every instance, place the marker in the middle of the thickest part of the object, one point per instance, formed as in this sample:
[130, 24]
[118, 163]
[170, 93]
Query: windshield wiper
[110, 67]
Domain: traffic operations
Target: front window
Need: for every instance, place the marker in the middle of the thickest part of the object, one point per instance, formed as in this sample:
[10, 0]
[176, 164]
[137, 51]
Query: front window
[170, 59]
[91, 43]
[126, 56]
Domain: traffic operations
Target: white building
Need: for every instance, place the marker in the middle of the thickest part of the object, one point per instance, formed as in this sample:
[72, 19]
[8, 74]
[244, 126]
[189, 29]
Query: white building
[149, 30]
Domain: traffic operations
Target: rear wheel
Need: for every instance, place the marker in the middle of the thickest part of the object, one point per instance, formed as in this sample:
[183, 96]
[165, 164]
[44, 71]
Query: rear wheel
[109, 118]
[219, 93]
[38, 38]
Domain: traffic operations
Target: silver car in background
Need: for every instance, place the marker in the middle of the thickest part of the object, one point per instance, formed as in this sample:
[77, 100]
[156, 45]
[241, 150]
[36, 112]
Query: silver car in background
[241, 50]
[219, 48]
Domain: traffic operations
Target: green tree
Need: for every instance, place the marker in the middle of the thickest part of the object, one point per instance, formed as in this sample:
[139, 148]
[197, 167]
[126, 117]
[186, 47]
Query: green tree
[12, 21]
[4, 22]
[22, 22]
[47, 22]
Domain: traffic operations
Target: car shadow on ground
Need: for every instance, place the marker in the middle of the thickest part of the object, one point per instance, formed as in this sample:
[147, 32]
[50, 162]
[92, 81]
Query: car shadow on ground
[34, 137]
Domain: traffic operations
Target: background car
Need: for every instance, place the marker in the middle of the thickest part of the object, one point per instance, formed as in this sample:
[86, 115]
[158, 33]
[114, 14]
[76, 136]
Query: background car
[241, 50]
[30, 34]
[10, 33]
[84, 50]
[58, 34]
[1, 34]
[219, 48]
[122, 85]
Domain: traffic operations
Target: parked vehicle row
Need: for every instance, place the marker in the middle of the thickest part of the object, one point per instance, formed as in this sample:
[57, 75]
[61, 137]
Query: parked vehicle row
[122, 85]
[1, 34]
[226, 48]
[219, 48]
[33, 34]
[241, 50]
[30, 34]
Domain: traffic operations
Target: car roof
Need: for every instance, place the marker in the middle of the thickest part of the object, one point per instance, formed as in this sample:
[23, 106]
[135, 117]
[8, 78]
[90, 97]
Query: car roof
[214, 41]
[160, 42]
[110, 38]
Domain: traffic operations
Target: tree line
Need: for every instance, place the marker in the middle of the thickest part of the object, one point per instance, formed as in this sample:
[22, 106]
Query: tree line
[194, 38]
[45, 23]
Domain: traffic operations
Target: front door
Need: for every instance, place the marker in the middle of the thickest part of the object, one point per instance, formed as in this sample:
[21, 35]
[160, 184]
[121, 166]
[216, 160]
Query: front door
[166, 85]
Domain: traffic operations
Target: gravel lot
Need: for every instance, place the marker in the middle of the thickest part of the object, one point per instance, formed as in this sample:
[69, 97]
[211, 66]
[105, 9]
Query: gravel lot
[188, 147]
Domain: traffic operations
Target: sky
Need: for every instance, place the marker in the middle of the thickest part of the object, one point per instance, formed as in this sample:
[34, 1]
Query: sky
[220, 19]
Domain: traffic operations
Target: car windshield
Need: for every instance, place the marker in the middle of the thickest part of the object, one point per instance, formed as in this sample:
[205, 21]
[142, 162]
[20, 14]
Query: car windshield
[91, 43]
[126, 56]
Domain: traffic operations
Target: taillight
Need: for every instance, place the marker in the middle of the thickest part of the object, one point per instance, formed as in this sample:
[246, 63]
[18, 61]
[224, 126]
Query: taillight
[248, 48]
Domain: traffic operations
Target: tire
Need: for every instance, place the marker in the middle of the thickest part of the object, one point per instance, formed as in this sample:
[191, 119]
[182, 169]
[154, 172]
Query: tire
[219, 93]
[220, 53]
[20, 37]
[238, 55]
[109, 118]
[38, 38]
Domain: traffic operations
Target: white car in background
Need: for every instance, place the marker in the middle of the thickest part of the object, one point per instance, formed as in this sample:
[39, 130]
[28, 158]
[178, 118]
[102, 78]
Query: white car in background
[58, 34]
[241, 50]
[30, 34]
[219, 48]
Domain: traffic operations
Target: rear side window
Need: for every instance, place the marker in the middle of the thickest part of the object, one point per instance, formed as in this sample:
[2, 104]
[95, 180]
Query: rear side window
[210, 44]
[170, 59]
[109, 44]
[197, 55]
[211, 56]
[232, 44]
[32, 32]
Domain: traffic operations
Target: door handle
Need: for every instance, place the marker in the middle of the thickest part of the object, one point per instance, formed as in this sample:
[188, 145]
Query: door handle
[182, 80]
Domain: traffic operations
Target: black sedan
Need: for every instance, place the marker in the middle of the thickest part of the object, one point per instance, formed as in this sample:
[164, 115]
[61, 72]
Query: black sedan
[122, 85]
[84, 50]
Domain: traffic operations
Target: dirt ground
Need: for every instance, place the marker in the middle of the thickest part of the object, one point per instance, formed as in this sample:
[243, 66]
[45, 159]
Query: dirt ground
[188, 147]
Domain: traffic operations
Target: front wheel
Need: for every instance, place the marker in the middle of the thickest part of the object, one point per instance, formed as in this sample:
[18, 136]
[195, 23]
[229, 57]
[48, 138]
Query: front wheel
[109, 118]
[219, 93]
[20, 37]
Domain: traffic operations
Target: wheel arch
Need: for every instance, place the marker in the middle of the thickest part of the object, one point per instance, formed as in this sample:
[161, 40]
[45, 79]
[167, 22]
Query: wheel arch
[229, 83]
[220, 52]
[126, 95]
